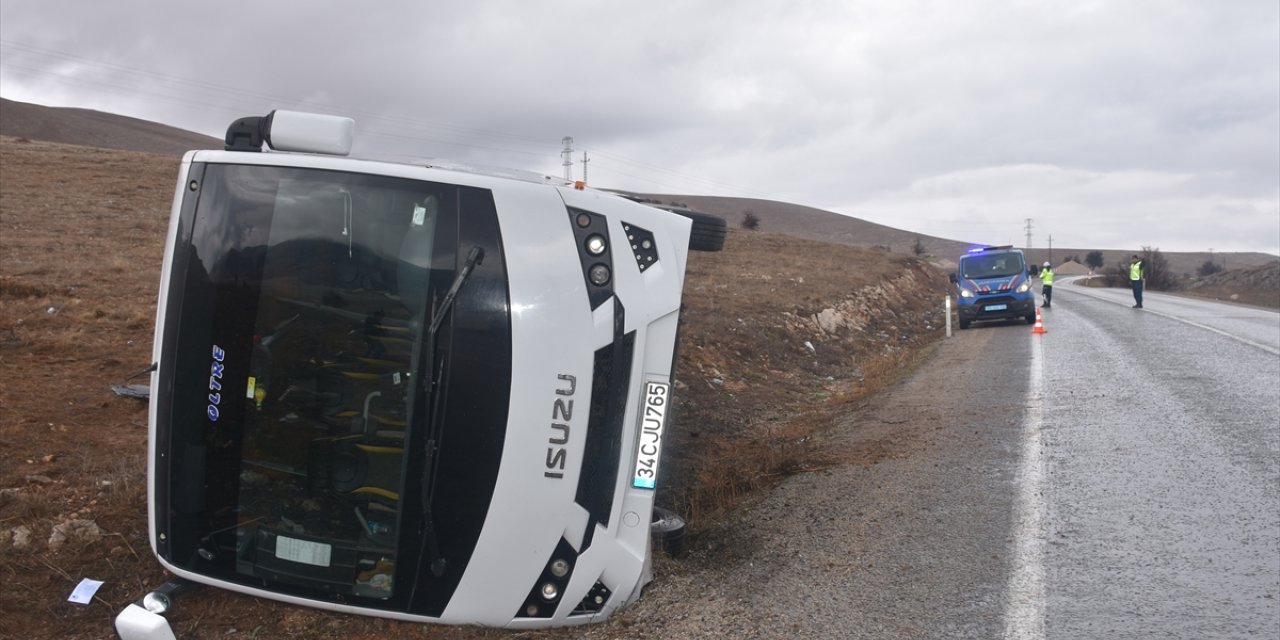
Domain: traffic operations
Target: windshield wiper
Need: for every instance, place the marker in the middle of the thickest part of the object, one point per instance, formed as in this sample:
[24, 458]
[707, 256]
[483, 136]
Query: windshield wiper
[474, 257]
[430, 544]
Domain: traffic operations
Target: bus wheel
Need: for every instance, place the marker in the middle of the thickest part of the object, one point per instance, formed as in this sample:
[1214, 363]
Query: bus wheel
[707, 233]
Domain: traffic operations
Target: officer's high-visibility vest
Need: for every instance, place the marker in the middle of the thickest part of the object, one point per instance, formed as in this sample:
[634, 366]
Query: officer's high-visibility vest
[1046, 276]
[1135, 270]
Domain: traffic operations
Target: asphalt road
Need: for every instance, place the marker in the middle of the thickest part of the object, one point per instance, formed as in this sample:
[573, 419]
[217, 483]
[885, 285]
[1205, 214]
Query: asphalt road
[1115, 477]
[1160, 437]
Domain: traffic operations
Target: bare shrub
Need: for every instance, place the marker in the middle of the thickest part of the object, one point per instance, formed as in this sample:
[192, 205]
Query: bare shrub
[1155, 271]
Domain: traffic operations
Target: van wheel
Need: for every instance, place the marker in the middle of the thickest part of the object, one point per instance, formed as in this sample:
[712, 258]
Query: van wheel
[1031, 318]
[707, 233]
[964, 324]
[666, 530]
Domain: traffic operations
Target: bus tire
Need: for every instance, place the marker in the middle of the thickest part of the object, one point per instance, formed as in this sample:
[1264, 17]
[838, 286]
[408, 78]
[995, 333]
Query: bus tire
[707, 233]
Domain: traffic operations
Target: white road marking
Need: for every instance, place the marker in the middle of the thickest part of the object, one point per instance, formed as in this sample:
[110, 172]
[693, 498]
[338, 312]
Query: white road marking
[1259, 345]
[1025, 593]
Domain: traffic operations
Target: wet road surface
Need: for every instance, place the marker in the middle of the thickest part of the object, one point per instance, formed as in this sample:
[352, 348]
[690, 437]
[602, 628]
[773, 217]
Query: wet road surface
[1161, 468]
[1250, 325]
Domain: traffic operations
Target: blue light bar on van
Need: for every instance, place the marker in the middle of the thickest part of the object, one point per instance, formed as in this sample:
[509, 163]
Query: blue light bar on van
[999, 248]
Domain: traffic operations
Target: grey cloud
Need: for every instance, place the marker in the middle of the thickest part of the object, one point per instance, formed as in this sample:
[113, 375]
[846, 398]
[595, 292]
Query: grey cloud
[862, 107]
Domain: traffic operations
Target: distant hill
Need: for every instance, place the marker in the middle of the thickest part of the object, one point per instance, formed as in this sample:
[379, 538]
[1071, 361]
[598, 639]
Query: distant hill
[90, 128]
[817, 224]
[808, 222]
[97, 129]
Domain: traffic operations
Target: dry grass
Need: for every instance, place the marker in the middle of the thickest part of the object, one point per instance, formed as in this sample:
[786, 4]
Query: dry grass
[1239, 294]
[753, 399]
[732, 467]
[79, 267]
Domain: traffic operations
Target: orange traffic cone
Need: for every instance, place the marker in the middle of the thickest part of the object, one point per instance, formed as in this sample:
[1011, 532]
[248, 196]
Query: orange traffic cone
[1039, 328]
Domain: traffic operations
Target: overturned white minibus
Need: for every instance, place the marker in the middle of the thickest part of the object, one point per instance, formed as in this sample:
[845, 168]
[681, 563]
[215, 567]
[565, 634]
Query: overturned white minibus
[404, 391]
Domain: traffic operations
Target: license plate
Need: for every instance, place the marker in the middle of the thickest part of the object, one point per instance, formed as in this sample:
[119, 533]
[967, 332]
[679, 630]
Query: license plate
[303, 551]
[653, 418]
[996, 307]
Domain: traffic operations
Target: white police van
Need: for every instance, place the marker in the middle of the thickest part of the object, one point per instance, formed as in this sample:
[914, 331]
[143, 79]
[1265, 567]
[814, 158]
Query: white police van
[404, 391]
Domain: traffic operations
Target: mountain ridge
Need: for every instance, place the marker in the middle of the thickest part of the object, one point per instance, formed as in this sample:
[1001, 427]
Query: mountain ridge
[100, 129]
[89, 128]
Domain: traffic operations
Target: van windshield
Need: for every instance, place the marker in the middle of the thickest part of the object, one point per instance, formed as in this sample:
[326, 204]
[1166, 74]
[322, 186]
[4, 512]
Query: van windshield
[991, 265]
[298, 396]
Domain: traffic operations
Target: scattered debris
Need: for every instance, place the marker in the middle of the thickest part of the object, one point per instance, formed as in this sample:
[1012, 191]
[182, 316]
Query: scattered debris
[139, 391]
[84, 592]
[79, 530]
[21, 537]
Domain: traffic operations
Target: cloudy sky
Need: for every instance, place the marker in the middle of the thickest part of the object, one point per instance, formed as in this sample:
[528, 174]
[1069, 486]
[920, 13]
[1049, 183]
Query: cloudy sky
[1110, 124]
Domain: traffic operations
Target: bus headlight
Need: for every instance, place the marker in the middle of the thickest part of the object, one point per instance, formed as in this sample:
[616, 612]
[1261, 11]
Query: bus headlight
[559, 567]
[599, 275]
[595, 244]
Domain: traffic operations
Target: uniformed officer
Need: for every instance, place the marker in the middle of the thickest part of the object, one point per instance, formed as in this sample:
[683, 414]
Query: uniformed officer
[1135, 280]
[1046, 278]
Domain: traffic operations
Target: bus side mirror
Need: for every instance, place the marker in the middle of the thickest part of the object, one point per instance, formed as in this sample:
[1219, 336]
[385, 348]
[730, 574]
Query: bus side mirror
[292, 131]
[952, 277]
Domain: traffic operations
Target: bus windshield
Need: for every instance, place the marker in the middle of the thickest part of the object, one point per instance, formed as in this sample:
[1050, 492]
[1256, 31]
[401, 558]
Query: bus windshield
[303, 312]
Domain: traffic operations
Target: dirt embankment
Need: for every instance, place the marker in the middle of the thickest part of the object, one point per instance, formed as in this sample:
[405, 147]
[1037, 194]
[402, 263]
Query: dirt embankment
[1259, 286]
[778, 335]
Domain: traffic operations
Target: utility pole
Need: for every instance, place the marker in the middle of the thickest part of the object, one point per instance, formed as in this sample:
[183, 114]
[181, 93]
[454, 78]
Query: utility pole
[1051, 248]
[567, 155]
[1028, 233]
[584, 167]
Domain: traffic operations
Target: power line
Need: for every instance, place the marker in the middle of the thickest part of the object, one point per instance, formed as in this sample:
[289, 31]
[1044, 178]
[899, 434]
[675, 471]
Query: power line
[401, 136]
[681, 175]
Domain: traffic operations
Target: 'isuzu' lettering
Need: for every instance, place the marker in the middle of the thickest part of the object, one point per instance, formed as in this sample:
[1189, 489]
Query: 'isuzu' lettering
[561, 414]
[215, 383]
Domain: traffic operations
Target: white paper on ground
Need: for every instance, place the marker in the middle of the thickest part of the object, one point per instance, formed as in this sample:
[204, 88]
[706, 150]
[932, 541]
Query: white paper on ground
[84, 591]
